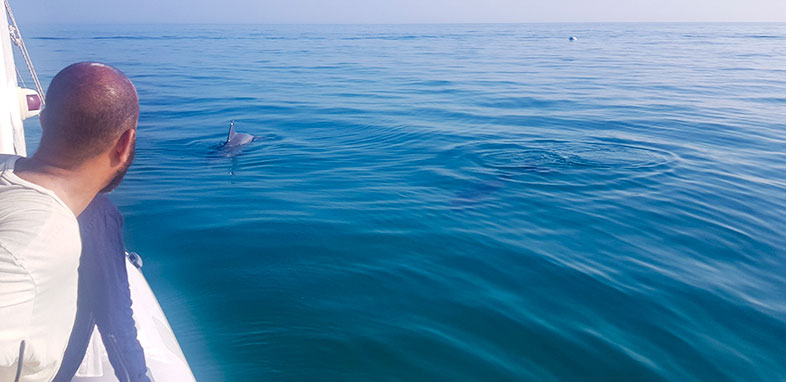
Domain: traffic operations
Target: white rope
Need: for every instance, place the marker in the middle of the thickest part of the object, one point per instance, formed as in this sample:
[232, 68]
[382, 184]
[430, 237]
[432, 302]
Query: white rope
[19, 76]
[16, 37]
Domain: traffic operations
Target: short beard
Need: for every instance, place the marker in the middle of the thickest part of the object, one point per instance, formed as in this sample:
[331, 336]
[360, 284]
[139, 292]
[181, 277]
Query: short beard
[121, 173]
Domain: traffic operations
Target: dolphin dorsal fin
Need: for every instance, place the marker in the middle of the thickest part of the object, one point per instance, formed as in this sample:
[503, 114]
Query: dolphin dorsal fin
[231, 130]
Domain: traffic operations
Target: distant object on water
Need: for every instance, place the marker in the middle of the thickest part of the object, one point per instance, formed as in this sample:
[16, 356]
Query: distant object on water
[237, 139]
[234, 144]
[572, 38]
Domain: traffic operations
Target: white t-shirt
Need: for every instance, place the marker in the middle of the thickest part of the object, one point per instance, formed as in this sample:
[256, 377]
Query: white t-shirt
[39, 257]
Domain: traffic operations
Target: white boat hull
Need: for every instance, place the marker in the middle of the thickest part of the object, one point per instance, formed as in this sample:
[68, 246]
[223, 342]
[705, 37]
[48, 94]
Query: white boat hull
[163, 355]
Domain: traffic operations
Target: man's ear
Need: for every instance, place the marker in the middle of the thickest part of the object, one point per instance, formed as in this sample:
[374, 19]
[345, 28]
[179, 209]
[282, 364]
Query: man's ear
[122, 150]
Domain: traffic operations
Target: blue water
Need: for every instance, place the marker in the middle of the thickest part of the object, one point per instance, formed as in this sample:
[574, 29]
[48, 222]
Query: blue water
[458, 202]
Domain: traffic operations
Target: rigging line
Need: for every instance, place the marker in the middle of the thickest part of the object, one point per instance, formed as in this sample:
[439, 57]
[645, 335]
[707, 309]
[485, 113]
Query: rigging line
[19, 76]
[16, 37]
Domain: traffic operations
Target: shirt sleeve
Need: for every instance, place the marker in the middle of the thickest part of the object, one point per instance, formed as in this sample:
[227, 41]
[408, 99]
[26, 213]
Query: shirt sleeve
[112, 305]
[77, 344]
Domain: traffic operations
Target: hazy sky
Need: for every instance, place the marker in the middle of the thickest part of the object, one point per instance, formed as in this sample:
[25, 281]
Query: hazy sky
[393, 11]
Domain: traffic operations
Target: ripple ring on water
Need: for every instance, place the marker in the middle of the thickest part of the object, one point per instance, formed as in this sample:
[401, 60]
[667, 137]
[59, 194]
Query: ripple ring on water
[584, 162]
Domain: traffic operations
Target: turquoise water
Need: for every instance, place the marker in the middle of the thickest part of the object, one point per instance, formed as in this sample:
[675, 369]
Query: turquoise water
[458, 202]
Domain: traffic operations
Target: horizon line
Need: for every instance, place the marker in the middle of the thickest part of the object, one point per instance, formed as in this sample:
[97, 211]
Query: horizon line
[402, 23]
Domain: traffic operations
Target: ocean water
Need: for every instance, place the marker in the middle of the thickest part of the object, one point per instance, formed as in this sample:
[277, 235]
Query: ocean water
[458, 202]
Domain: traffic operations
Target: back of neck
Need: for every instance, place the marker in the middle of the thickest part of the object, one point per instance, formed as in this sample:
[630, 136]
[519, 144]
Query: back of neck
[71, 185]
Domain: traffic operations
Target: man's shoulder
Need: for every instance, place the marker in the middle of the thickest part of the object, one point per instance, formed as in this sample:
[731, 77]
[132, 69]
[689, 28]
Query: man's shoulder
[26, 214]
[18, 198]
[17, 194]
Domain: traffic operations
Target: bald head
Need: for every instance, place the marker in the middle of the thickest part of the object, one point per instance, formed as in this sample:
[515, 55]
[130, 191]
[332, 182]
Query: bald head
[88, 107]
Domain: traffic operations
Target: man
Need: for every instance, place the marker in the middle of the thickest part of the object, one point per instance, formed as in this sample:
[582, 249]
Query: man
[87, 145]
[104, 297]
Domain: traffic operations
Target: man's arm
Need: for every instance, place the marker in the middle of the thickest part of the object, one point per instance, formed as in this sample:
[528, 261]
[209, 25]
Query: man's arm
[112, 305]
[80, 339]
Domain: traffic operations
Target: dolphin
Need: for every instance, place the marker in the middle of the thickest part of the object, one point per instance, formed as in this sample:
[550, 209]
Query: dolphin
[237, 139]
[477, 193]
